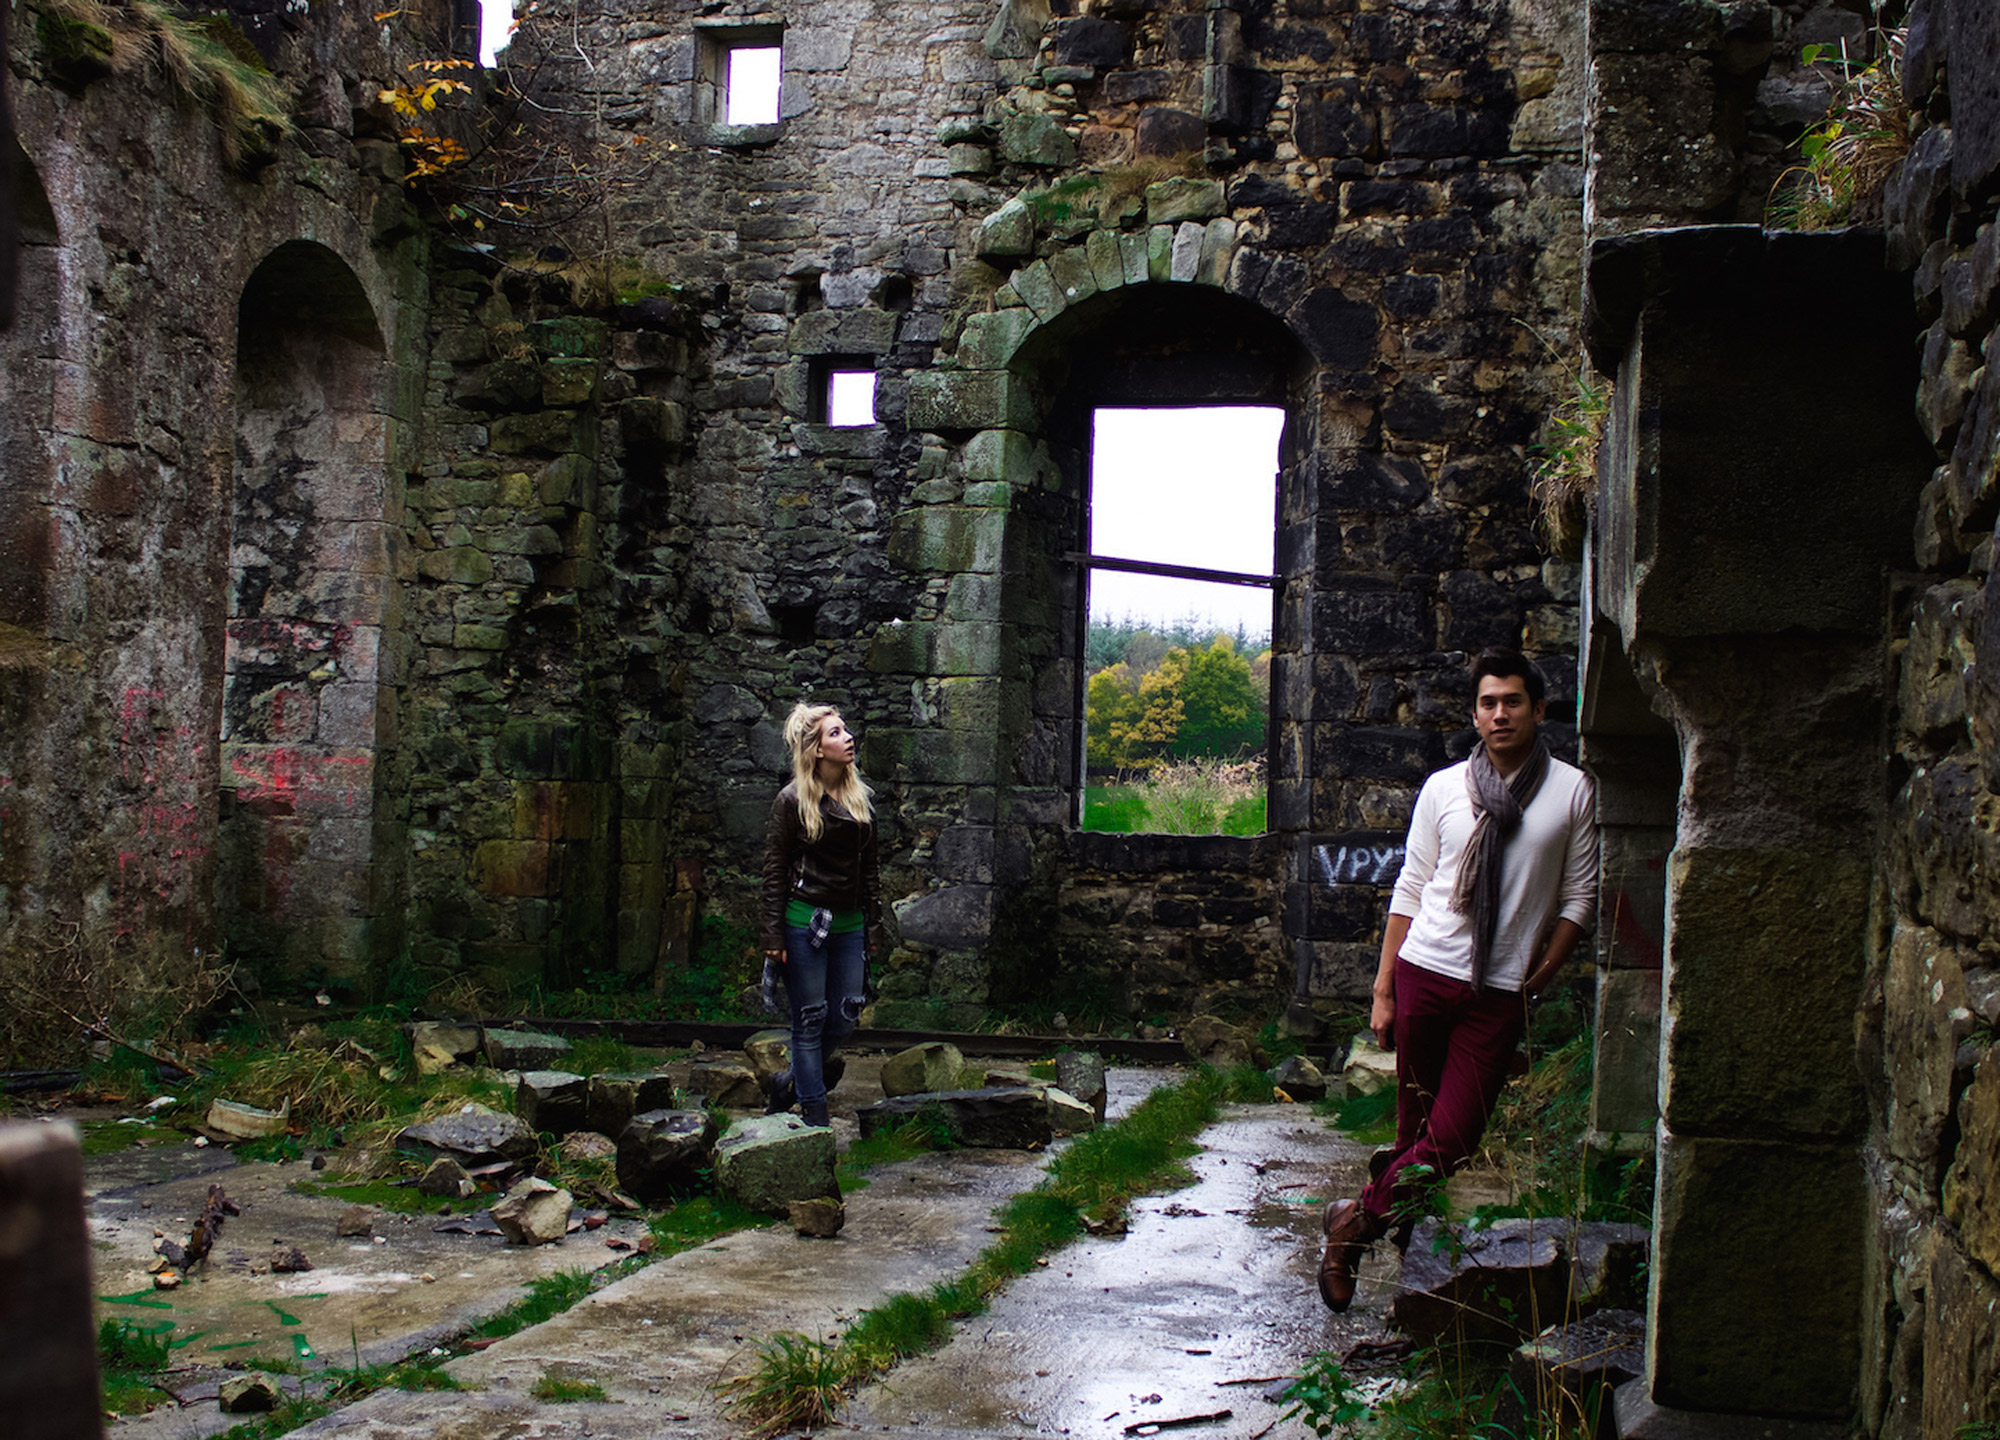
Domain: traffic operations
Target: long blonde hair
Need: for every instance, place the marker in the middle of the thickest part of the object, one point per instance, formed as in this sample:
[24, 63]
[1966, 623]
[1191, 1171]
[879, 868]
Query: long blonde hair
[802, 739]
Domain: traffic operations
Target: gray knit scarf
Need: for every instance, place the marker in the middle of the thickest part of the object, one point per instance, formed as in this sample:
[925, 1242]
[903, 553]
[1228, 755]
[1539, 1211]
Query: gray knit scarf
[1498, 805]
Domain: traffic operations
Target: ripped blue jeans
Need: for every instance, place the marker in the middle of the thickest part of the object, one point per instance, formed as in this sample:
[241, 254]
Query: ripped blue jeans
[824, 988]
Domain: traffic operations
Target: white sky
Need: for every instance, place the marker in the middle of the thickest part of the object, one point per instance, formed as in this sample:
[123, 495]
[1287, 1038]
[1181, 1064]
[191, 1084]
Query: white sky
[496, 24]
[851, 397]
[1185, 487]
[751, 86]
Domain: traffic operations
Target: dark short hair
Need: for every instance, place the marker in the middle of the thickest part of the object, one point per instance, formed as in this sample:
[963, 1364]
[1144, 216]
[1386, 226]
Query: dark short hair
[1505, 663]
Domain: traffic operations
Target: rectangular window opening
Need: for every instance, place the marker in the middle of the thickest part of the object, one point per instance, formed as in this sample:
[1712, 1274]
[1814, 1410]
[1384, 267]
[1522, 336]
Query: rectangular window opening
[1181, 533]
[750, 82]
[850, 397]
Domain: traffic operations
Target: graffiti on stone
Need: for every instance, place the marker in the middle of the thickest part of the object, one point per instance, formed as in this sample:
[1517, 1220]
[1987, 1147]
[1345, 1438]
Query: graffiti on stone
[1359, 863]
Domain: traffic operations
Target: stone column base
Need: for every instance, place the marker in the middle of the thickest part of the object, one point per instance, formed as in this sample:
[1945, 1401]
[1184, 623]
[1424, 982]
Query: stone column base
[1636, 1417]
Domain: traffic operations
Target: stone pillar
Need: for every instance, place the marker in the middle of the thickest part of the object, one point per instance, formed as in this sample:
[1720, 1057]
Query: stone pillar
[1759, 478]
[48, 1347]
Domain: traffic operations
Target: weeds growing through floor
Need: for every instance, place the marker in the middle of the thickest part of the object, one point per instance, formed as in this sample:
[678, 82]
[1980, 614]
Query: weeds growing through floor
[1144, 1153]
[1323, 1398]
[556, 1390]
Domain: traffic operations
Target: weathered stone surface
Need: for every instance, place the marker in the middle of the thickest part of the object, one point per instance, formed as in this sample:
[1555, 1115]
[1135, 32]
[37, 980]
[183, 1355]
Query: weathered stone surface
[1081, 1073]
[1008, 232]
[249, 1395]
[1216, 1042]
[1369, 1068]
[1795, 1217]
[523, 1049]
[662, 1153]
[1972, 1184]
[586, 1145]
[992, 1119]
[1569, 1370]
[1961, 1375]
[1926, 1016]
[1028, 137]
[768, 1052]
[1607, 1264]
[957, 917]
[1067, 1114]
[553, 1102]
[48, 1375]
[435, 1046]
[1299, 1078]
[446, 1179]
[766, 1163]
[534, 1212]
[1498, 1284]
[473, 1137]
[355, 1220]
[923, 1069]
[821, 1219]
[730, 1086]
[615, 1098]
[1168, 202]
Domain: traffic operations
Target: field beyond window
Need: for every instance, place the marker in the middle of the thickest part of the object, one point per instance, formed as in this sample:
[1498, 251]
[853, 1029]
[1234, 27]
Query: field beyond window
[1178, 665]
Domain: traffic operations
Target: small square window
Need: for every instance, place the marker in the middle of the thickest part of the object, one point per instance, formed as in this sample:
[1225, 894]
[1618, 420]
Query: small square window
[750, 78]
[850, 397]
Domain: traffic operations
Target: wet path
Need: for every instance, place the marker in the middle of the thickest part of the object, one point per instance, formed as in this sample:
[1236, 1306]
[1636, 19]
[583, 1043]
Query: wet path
[1196, 1310]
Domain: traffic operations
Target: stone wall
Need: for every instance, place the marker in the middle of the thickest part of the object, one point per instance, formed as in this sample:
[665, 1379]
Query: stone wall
[389, 611]
[1933, 1001]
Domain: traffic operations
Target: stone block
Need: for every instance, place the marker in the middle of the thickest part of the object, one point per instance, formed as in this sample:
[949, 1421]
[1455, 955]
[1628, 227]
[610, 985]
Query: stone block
[552, 1102]
[768, 1052]
[1500, 1284]
[1170, 201]
[988, 341]
[48, 1361]
[523, 1049]
[1766, 969]
[1104, 44]
[1067, 1114]
[1037, 287]
[954, 917]
[457, 565]
[1008, 233]
[1972, 1184]
[436, 1046]
[1218, 247]
[544, 432]
[1028, 137]
[1107, 264]
[1167, 131]
[1961, 1362]
[1212, 1041]
[570, 336]
[474, 1136]
[664, 1153]
[1369, 1069]
[951, 400]
[954, 539]
[725, 1085]
[534, 1212]
[1133, 257]
[568, 382]
[1184, 254]
[860, 331]
[923, 1069]
[1925, 1019]
[1070, 268]
[999, 1119]
[766, 1163]
[1795, 1217]
[1625, 1085]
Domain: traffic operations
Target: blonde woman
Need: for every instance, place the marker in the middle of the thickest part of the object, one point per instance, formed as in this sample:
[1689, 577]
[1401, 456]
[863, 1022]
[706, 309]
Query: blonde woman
[822, 898]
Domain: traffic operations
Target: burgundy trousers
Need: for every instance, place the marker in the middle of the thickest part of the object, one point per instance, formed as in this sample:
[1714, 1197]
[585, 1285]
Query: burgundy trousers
[1453, 1049]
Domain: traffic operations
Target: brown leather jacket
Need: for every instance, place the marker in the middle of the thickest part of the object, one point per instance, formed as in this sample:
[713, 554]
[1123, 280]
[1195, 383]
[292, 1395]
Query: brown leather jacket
[837, 871]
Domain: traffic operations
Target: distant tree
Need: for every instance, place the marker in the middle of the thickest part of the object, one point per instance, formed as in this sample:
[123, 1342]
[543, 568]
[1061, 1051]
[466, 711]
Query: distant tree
[1144, 651]
[1112, 716]
[1220, 713]
[1260, 679]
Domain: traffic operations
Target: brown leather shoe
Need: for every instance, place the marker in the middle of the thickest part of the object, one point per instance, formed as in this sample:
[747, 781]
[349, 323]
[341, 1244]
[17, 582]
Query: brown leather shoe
[1349, 1229]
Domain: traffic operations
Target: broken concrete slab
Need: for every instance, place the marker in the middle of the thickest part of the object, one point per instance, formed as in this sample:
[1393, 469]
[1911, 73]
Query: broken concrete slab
[1067, 1114]
[234, 1122]
[534, 1212]
[1369, 1069]
[437, 1046]
[552, 1102]
[249, 1395]
[662, 1153]
[996, 1119]
[1566, 1374]
[923, 1070]
[1213, 1041]
[821, 1219]
[766, 1163]
[475, 1136]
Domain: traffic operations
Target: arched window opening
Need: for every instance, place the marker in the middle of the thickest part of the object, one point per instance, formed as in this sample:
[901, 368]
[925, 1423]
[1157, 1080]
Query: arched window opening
[1179, 569]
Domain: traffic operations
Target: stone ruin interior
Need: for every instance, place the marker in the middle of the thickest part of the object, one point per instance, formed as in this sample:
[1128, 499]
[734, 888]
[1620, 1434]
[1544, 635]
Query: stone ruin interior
[407, 560]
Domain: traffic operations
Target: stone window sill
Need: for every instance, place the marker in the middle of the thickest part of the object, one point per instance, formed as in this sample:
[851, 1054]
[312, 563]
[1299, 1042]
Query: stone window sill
[1144, 854]
[742, 137]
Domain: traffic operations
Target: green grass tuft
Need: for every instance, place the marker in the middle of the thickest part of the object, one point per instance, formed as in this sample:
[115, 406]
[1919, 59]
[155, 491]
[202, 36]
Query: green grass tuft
[555, 1390]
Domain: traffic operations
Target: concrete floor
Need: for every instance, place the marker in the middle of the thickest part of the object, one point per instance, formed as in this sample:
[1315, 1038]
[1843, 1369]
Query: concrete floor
[1206, 1304]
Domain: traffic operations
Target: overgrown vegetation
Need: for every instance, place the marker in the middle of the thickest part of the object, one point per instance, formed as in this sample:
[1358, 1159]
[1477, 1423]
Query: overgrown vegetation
[796, 1375]
[1202, 796]
[206, 59]
[1157, 706]
[559, 1390]
[1564, 477]
[1849, 156]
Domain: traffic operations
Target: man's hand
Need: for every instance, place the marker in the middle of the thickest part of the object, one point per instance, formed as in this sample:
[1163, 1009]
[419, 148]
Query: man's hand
[1382, 1020]
[1563, 940]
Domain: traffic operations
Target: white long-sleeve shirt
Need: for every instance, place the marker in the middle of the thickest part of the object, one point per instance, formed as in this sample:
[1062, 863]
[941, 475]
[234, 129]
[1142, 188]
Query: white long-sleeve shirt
[1549, 871]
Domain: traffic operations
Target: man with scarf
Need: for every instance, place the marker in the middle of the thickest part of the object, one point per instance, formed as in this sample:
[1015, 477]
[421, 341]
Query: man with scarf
[1499, 881]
